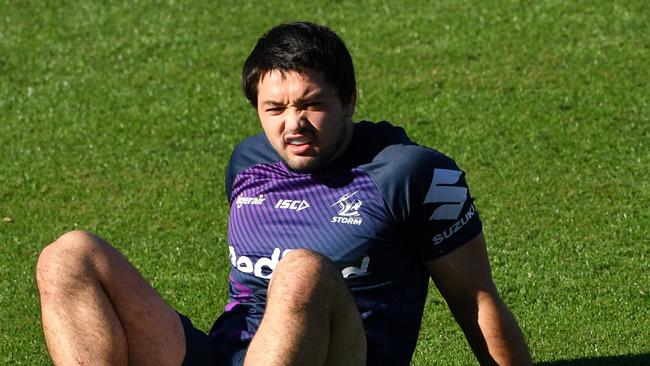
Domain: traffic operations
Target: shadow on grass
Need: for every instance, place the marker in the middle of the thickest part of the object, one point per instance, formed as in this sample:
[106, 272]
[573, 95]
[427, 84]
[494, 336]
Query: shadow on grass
[626, 360]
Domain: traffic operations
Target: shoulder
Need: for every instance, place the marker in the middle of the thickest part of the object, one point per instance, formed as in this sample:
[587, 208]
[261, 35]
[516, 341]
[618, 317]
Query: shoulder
[413, 159]
[391, 142]
[250, 151]
[426, 191]
[395, 156]
[402, 169]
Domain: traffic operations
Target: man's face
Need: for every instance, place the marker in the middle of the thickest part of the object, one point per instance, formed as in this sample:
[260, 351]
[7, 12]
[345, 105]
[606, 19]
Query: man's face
[303, 118]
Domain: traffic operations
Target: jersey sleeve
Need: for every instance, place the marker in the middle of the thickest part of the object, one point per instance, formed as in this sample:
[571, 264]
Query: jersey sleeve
[444, 213]
[428, 197]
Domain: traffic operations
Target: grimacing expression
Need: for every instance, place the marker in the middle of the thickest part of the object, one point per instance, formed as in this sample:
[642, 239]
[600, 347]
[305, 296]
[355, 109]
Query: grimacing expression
[303, 118]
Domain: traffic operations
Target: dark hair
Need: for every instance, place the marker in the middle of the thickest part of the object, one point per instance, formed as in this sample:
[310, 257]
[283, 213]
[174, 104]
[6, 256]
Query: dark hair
[299, 47]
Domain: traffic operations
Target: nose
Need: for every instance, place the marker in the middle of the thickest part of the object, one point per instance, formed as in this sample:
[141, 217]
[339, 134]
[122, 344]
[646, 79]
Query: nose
[296, 120]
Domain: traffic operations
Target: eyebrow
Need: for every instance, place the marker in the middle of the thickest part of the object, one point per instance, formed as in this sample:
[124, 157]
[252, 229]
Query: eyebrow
[272, 103]
[309, 98]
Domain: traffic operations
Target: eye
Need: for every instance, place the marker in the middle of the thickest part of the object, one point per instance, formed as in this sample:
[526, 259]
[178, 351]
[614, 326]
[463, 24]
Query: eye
[274, 110]
[314, 106]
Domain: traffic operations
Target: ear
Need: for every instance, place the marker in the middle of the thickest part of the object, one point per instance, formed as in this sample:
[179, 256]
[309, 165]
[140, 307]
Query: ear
[350, 108]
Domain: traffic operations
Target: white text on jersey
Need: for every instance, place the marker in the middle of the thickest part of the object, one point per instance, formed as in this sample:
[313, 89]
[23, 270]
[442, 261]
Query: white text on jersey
[245, 200]
[264, 266]
[348, 210]
[455, 227]
[292, 204]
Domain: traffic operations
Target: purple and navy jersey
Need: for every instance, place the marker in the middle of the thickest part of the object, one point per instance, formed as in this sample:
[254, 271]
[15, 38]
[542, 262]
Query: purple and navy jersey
[379, 211]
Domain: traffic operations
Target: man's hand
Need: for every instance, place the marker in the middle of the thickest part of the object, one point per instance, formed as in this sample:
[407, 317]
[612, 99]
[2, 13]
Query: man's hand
[464, 279]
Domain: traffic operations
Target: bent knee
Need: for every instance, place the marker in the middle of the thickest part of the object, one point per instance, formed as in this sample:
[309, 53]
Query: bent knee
[306, 262]
[76, 237]
[304, 271]
[70, 244]
[302, 255]
[68, 252]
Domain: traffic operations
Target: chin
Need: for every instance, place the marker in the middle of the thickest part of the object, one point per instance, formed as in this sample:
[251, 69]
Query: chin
[303, 164]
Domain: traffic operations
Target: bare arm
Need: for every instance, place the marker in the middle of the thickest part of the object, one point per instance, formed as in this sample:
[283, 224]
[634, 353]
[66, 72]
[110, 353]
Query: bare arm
[464, 279]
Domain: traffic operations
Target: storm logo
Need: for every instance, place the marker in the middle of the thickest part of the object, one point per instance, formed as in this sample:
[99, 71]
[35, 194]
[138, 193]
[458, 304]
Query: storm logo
[348, 210]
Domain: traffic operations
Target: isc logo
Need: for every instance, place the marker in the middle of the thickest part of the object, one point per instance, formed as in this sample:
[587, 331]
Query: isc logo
[292, 204]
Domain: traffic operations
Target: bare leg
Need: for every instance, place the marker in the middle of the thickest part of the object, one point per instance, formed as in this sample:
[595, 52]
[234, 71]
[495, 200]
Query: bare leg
[310, 318]
[98, 310]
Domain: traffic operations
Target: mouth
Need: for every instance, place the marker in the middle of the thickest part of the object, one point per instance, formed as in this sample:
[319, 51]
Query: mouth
[300, 140]
[299, 144]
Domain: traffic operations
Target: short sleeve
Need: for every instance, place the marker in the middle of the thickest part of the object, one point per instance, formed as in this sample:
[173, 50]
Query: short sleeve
[428, 198]
[445, 216]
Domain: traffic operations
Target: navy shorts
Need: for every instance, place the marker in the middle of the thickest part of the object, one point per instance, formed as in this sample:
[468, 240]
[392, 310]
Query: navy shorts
[203, 350]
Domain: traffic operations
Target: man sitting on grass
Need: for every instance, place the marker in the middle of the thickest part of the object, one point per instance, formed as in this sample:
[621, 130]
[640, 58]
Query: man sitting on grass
[335, 229]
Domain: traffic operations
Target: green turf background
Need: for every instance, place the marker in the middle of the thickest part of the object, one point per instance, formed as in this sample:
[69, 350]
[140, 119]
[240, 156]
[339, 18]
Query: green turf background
[119, 117]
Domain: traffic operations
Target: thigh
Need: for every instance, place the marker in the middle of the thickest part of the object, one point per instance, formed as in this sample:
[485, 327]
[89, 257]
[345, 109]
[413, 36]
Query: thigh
[310, 317]
[86, 284]
[153, 329]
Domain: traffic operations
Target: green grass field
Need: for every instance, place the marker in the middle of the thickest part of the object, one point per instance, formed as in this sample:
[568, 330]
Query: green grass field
[119, 118]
